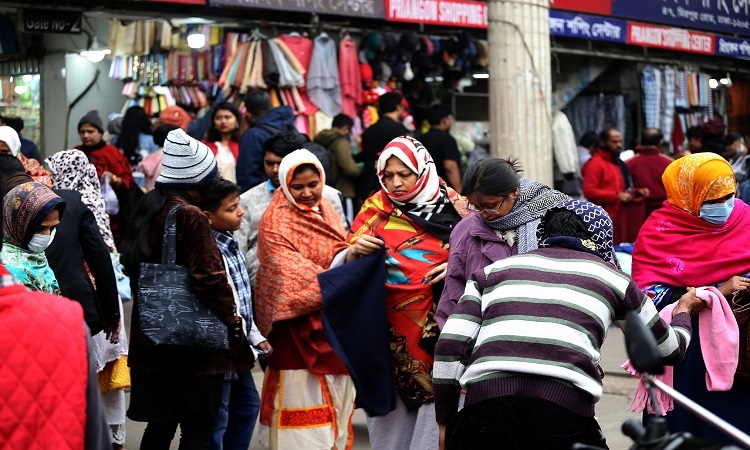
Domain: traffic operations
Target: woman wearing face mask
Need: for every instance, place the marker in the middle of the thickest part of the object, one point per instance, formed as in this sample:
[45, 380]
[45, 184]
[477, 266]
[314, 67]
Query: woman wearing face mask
[223, 138]
[31, 212]
[508, 210]
[698, 238]
[308, 395]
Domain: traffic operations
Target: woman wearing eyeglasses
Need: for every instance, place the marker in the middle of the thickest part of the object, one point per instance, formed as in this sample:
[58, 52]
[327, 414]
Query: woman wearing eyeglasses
[507, 209]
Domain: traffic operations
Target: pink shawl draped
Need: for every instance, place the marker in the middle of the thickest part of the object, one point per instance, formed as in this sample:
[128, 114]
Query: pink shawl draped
[681, 250]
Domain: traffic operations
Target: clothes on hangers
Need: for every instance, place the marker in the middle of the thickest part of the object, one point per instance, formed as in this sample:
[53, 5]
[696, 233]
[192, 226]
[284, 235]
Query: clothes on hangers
[350, 77]
[323, 76]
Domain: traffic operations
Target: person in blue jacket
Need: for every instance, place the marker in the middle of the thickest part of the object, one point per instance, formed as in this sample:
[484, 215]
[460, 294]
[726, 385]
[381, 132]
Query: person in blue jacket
[265, 121]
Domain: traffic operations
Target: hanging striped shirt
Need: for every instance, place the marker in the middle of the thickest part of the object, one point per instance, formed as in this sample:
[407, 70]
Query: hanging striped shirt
[533, 325]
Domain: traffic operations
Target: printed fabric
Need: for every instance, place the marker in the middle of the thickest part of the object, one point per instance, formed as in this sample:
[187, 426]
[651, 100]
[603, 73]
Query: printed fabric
[695, 178]
[30, 269]
[294, 246]
[24, 208]
[412, 251]
[72, 170]
[598, 223]
[534, 200]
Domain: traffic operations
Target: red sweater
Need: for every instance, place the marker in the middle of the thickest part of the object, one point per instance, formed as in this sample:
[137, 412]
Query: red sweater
[603, 182]
[44, 370]
[108, 158]
[646, 169]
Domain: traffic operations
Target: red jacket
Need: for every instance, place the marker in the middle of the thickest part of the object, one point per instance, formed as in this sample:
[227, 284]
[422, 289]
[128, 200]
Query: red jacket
[109, 158]
[646, 169]
[44, 370]
[603, 182]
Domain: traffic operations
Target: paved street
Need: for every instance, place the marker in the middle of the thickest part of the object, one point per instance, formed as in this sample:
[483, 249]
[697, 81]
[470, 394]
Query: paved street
[611, 412]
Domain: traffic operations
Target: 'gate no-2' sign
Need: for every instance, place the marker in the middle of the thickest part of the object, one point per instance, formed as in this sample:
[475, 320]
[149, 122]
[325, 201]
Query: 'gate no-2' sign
[51, 21]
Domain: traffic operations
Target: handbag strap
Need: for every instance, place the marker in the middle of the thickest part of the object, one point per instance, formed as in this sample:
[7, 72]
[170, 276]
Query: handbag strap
[169, 243]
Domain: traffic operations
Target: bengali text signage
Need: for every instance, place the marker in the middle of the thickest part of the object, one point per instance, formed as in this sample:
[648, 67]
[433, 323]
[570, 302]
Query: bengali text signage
[733, 48]
[724, 16]
[587, 27]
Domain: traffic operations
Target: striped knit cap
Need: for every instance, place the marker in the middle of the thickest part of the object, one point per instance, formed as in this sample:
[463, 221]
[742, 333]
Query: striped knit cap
[187, 163]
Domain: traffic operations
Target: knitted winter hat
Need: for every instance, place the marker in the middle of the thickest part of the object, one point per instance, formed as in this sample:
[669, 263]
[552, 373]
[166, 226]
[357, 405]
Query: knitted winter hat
[187, 163]
[92, 118]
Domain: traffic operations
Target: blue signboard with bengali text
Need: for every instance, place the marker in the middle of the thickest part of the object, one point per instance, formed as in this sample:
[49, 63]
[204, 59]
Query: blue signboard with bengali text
[723, 16]
[587, 27]
[733, 48]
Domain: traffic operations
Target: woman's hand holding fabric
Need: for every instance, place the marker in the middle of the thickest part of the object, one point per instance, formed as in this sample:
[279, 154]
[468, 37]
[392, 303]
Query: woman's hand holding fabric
[734, 284]
[689, 303]
[437, 274]
[364, 245]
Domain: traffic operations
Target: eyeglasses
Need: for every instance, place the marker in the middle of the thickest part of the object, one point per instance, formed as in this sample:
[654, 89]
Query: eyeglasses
[486, 211]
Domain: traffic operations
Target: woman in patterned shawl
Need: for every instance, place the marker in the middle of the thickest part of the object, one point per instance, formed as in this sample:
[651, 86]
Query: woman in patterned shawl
[699, 237]
[308, 395]
[508, 210]
[413, 214]
[31, 211]
[72, 170]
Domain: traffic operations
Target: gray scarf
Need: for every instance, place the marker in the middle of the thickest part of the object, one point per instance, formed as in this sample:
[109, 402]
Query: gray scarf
[533, 202]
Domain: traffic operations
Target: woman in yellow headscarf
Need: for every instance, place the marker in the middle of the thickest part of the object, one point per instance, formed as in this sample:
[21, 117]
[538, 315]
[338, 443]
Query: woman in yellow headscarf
[699, 237]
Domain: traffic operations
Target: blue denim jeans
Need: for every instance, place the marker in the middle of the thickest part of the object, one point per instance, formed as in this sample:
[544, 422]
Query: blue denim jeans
[235, 421]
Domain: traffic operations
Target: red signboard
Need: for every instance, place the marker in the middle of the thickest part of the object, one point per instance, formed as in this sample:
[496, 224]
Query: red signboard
[671, 38]
[603, 7]
[457, 13]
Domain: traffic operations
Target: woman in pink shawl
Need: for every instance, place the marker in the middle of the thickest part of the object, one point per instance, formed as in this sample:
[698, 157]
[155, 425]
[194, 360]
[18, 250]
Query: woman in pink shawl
[699, 237]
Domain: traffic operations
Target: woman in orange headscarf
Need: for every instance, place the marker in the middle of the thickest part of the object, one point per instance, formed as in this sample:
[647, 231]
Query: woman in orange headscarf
[699, 237]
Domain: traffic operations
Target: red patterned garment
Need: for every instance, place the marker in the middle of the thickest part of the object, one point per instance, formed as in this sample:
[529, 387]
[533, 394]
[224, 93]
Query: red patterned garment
[308, 396]
[415, 228]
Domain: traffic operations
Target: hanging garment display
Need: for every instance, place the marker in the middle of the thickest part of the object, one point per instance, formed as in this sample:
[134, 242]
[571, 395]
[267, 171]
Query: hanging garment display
[323, 78]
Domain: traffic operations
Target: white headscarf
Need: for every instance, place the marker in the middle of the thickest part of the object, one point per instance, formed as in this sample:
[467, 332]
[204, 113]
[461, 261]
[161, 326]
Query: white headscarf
[10, 137]
[415, 156]
[291, 162]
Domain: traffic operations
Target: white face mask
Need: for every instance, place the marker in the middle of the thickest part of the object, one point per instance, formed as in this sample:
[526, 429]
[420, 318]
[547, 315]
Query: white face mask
[40, 242]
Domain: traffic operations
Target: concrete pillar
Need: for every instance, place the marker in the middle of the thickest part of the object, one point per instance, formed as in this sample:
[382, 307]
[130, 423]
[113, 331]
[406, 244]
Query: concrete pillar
[520, 85]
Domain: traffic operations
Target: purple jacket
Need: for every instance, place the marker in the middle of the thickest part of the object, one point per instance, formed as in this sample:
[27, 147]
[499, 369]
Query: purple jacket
[474, 246]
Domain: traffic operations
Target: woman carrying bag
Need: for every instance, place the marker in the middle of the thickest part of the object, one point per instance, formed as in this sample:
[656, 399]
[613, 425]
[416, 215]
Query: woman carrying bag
[170, 385]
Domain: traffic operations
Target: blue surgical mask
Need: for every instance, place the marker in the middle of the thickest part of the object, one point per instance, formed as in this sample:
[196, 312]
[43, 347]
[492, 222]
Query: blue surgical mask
[40, 242]
[717, 213]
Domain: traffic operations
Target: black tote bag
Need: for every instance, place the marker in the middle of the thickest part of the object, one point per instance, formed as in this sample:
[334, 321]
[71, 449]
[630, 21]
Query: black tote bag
[170, 313]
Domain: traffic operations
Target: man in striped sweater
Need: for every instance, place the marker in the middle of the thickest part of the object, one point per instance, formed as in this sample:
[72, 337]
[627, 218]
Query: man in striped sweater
[525, 341]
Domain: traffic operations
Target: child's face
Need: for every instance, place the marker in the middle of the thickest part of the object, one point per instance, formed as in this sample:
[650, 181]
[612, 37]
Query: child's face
[229, 215]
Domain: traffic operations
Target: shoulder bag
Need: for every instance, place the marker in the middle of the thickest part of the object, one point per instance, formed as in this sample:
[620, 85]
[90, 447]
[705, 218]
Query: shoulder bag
[170, 313]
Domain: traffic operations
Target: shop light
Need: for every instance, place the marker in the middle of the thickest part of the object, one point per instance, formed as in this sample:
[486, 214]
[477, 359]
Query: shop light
[27, 78]
[481, 76]
[713, 83]
[20, 90]
[37, 77]
[196, 40]
[726, 81]
[95, 53]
